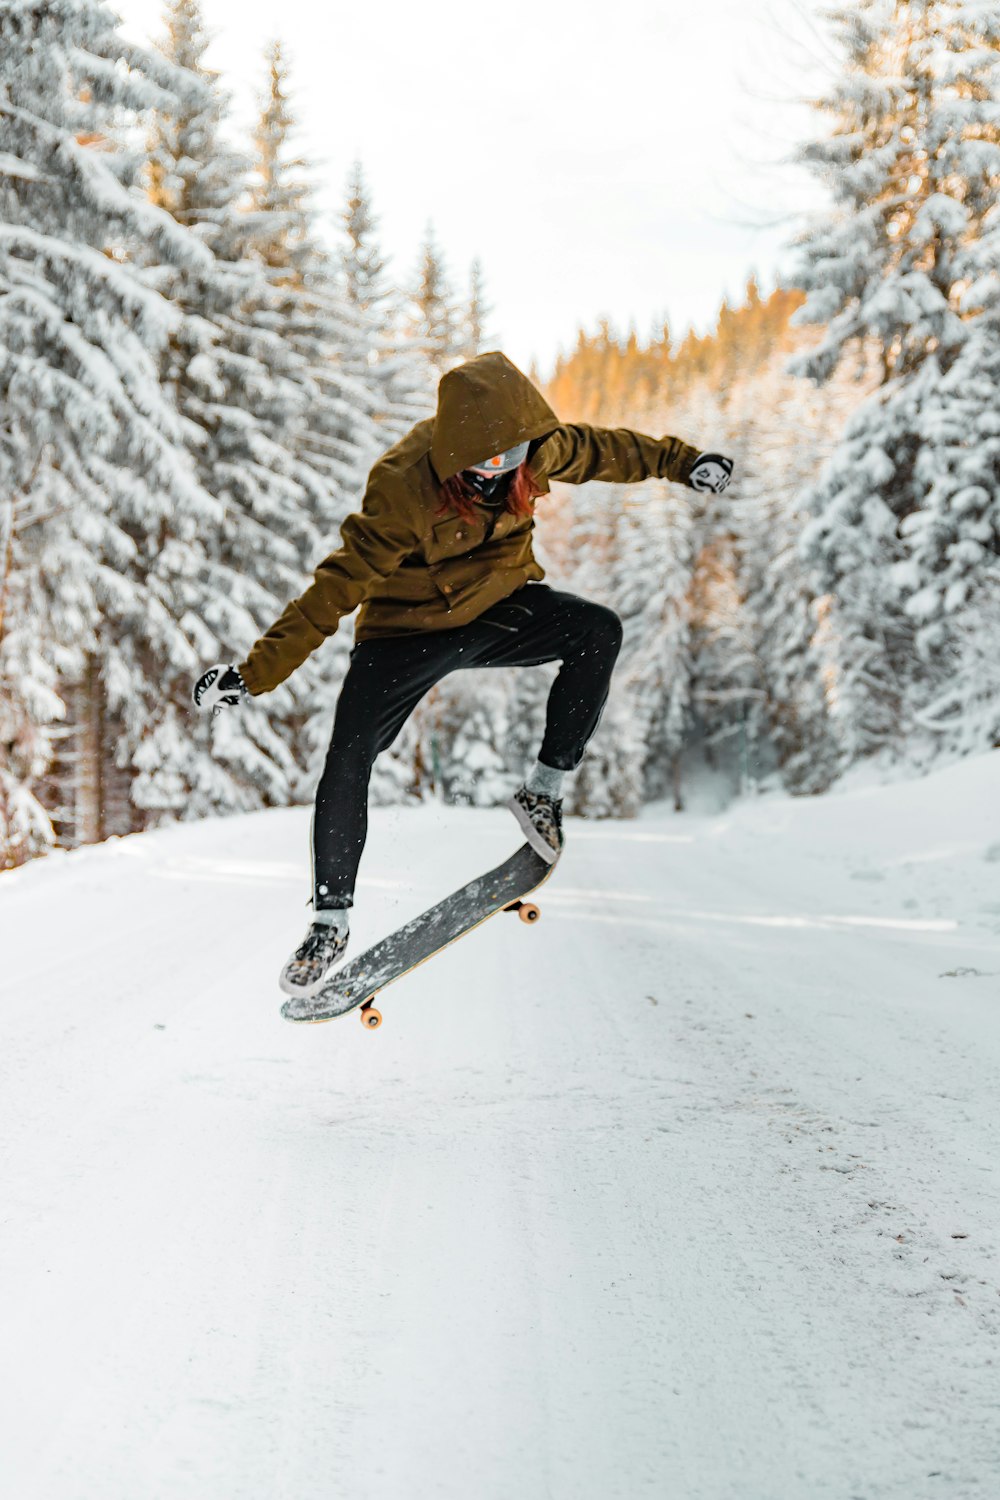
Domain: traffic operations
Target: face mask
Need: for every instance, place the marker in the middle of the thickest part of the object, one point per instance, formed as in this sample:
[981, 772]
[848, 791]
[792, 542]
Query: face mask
[490, 486]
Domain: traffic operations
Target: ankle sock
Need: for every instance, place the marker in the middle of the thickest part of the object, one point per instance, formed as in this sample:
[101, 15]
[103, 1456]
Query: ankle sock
[544, 780]
[337, 916]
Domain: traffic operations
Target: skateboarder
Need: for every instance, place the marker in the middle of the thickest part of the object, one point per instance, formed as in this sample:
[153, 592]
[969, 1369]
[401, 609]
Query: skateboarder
[440, 560]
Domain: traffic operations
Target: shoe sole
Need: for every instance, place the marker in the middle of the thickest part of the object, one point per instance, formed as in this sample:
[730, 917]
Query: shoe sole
[302, 991]
[531, 833]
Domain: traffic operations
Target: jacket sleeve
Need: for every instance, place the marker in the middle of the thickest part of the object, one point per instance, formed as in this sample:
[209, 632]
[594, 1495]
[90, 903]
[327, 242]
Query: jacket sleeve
[577, 452]
[373, 542]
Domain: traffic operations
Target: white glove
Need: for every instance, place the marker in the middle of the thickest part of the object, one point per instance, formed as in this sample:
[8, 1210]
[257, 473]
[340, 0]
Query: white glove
[219, 686]
[711, 472]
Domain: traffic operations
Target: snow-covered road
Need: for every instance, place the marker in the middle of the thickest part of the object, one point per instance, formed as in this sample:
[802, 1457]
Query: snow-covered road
[692, 1190]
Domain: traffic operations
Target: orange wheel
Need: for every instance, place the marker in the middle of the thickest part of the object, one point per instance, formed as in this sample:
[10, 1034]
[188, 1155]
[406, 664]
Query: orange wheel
[529, 912]
[370, 1017]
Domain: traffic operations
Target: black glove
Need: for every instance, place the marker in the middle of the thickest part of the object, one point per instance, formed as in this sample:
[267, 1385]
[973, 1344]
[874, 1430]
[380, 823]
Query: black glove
[220, 685]
[711, 472]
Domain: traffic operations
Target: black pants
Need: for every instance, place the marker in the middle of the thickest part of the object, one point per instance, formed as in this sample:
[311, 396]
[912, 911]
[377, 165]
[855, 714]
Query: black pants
[387, 678]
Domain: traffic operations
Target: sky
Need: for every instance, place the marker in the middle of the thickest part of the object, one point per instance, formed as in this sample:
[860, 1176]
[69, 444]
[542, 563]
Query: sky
[628, 161]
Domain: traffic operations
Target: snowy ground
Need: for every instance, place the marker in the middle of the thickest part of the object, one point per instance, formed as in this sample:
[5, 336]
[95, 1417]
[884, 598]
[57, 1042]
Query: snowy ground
[691, 1191]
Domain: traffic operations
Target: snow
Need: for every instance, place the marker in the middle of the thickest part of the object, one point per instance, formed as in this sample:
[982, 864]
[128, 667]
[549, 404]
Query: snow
[691, 1189]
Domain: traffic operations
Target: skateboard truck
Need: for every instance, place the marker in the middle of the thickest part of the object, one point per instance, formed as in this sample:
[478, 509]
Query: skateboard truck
[526, 910]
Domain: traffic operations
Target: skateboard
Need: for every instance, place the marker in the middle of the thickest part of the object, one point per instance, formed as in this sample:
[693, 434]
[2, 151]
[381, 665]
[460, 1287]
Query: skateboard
[358, 982]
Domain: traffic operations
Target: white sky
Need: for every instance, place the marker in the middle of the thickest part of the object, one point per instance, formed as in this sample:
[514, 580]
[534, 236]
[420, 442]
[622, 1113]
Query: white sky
[620, 159]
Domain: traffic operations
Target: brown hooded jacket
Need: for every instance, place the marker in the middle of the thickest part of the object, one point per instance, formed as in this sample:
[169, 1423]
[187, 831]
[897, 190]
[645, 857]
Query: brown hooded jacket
[411, 567]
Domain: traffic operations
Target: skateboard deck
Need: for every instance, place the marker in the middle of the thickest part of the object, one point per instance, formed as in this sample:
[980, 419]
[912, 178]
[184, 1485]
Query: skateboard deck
[358, 982]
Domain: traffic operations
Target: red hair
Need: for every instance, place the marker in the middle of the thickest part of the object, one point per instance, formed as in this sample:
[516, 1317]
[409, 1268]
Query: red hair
[458, 495]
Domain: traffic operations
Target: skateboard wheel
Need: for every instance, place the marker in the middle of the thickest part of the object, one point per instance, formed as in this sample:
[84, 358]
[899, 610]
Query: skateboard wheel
[370, 1017]
[528, 912]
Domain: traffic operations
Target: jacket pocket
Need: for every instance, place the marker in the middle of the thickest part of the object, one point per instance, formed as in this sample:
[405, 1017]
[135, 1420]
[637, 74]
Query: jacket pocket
[452, 537]
[459, 581]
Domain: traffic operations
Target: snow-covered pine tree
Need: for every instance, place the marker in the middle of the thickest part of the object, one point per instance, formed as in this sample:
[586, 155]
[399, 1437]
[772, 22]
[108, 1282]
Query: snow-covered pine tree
[783, 453]
[403, 380]
[91, 446]
[246, 395]
[783, 430]
[726, 688]
[898, 262]
[30, 705]
[951, 577]
[471, 738]
[651, 582]
[364, 392]
[628, 547]
[661, 663]
[346, 335]
[341, 432]
[338, 436]
[362, 264]
[724, 695]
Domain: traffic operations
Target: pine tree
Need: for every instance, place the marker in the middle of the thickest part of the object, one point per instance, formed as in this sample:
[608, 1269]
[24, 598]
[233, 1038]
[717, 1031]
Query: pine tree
[726, 682]
[357, 386]
[793, 429]
[363, 266]
[657, 662]
[279, 190]
[366, 390]
[951, 578]
[472, 739]
[91, 447]
[245, 395]
[901, 264]
[435, 324]
[477, 314]
[383, 387]
[628, 547]
[188, 172]
[30, 705]
[393, 368]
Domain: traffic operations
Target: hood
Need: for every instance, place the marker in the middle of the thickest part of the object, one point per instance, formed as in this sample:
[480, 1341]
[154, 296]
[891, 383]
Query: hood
[484, 407]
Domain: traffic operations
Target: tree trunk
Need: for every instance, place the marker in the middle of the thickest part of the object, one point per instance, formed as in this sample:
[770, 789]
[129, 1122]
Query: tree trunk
[90, 794]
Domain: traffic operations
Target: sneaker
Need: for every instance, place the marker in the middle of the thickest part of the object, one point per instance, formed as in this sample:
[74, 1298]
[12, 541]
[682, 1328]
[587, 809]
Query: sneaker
[309, 967]
[541, 819]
